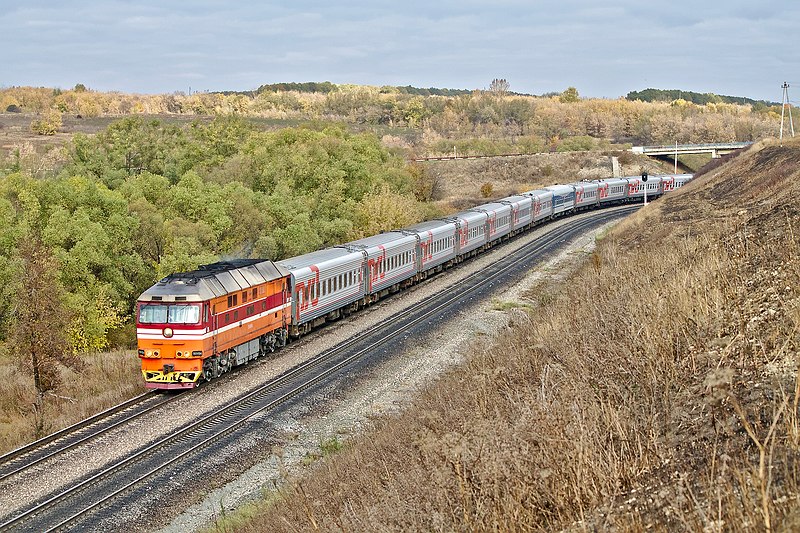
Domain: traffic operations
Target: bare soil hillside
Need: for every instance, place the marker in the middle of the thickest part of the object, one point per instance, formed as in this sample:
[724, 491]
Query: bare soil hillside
[657, 389]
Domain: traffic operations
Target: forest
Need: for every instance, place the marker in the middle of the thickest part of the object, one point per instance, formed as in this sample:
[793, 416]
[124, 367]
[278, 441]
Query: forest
[143, 199]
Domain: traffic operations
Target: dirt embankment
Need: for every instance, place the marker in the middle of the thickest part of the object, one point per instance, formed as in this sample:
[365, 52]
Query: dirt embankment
[659, 390]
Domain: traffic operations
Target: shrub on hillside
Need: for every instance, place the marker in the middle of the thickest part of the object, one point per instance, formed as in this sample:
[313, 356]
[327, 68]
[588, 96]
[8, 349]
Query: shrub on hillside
[49, 124]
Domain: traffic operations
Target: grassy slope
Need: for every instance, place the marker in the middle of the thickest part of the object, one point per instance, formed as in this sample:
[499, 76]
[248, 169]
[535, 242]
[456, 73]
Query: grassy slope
[674, 405]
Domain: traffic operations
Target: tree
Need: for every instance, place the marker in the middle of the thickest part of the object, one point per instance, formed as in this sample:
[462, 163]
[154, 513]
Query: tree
[49, 124]
[570, 95]
[499, 86]
[40, 322]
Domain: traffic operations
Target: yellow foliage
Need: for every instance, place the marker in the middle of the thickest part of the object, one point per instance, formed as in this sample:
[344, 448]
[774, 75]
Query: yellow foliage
[386, 210]
[49, 124]
[88, 331]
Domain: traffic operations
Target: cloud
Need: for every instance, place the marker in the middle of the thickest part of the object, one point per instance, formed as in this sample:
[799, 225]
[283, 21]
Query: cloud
[604, 50]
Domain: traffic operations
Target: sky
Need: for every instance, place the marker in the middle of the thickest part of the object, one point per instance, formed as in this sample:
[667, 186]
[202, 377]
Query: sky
[604, 49]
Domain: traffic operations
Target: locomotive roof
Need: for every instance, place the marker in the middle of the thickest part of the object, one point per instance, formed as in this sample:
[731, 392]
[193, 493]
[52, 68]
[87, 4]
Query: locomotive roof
[214, 280]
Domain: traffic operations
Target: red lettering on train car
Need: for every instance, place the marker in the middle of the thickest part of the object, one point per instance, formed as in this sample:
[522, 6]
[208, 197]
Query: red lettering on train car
[315, 284]
[426, 247]
[382, 261]
[492, 223]
[301, 303]
[374, 266]
[537, 207]
[602, 190]
[464, 233]
[578, 196]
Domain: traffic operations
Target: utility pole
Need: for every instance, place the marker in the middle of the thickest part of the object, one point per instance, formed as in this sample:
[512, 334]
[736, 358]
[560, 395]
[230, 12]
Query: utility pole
[676, 157]
[784, 104]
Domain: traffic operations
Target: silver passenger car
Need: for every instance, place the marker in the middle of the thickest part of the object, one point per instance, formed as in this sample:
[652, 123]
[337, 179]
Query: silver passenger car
[498, 219]
[471, 230]
[324, 281]
[612, 190]
[389, 258]
[586, 194]
[542, 200]
[437, 241]
[521, 211]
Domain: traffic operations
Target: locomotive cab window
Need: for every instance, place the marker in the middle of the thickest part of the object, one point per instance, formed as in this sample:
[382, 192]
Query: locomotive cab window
[172, 314]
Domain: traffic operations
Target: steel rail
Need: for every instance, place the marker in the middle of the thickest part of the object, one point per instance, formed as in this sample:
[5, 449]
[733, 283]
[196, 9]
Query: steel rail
[66, 433]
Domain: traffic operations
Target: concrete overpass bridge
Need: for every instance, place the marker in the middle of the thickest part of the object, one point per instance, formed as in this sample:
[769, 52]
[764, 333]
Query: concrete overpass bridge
[715, 149]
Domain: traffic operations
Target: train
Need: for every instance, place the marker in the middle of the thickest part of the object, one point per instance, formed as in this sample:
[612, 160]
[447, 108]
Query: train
[195, 326]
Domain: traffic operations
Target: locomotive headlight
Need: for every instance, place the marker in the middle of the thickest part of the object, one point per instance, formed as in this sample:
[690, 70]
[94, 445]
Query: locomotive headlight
[167, 332]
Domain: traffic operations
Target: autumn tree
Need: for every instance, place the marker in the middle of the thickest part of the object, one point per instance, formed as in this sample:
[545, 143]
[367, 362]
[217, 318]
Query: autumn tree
[499, 86]
[48, 124]
[40, 321]
[570, 95]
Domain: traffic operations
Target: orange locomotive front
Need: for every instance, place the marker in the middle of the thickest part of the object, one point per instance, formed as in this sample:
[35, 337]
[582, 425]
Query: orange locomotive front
[197, 325]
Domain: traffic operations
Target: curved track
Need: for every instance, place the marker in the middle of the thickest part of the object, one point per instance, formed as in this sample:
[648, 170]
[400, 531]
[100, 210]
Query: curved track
[107, 490]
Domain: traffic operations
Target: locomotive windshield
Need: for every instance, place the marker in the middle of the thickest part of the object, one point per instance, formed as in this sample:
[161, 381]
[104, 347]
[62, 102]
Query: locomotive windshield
[169, 314]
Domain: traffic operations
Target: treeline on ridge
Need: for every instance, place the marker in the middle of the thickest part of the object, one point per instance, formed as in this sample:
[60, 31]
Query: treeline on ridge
[670, 95]
[432, 125]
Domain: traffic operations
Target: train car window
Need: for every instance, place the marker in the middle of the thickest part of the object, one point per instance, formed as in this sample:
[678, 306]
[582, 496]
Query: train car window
[255, 293]
[263, 305]
[236, 315]
[251, 309]
[227, 318]
[244, 296]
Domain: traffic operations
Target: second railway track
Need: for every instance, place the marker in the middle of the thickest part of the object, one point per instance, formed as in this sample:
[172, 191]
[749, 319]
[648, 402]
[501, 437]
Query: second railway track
[30, 455]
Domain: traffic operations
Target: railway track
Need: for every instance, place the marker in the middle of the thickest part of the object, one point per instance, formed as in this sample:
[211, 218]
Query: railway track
[105, 489]
[59, 442]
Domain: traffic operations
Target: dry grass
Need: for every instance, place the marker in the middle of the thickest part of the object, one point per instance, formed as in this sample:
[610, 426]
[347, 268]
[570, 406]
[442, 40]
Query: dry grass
[107, 379]
[670, 406]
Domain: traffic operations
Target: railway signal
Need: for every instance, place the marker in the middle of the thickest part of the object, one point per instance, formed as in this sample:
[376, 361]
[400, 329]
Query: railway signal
[644, 180]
